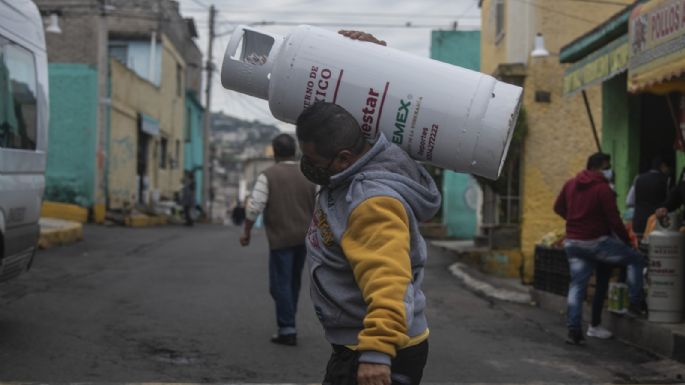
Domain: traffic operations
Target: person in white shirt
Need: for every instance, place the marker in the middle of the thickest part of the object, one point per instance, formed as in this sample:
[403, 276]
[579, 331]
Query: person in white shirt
[286, 198]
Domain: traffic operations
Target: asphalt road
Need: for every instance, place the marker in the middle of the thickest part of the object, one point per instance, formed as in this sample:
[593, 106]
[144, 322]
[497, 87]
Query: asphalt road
[175, 304]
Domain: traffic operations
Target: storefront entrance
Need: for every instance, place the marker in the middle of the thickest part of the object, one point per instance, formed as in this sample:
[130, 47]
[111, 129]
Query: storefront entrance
[657, 130]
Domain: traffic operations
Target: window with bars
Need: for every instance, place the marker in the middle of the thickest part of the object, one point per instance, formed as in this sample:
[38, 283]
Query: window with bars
[502, 198]
[163, 153]
[499, 20]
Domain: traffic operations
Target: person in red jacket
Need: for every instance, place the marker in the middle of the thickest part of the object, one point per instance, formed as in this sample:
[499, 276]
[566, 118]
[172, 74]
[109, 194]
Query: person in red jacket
[595, 237]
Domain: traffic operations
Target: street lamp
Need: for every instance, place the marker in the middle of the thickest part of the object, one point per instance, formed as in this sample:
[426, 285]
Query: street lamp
[53, 25]
[539, 49]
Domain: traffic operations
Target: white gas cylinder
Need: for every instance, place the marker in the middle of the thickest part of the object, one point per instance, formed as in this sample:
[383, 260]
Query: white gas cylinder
[666, 251]
[439, 113]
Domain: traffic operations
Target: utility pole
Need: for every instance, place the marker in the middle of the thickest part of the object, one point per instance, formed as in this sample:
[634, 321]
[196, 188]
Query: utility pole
[207, 167]
[101, 134]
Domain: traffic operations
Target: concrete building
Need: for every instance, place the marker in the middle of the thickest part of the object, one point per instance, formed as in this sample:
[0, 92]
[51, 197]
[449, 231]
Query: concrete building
[555, 136]
[120, 71]
[193, 158]
[461, 194]
[145, 162]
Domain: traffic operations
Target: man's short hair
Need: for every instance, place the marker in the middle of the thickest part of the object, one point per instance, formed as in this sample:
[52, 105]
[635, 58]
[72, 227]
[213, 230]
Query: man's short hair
[661, 160]
[330, 128]
[284, 146]
[596, 160]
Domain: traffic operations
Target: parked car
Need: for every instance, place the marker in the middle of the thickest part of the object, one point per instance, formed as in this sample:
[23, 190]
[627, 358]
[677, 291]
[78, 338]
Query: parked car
[23, 133]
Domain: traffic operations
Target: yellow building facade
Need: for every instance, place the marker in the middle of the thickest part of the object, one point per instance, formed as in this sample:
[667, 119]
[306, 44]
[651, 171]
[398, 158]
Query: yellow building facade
[146, 133]
[559, 136]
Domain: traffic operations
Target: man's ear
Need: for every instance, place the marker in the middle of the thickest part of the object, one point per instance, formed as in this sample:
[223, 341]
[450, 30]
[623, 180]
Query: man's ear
[344, 160]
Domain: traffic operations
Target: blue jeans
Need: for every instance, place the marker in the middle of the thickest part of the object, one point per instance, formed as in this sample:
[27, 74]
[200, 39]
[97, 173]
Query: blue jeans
[285, 273]
[583, 261]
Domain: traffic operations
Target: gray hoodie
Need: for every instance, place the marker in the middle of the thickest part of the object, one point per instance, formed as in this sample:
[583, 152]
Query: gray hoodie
[384, 171]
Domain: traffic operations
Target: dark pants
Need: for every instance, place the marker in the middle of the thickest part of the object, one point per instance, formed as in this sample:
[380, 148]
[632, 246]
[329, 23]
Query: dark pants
[188, 215]
[285, 272]
[407, 366]
[602, 275]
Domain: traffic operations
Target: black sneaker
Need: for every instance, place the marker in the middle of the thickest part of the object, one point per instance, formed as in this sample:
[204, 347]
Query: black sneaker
[575, 337]
[637, 310]
[284, 339]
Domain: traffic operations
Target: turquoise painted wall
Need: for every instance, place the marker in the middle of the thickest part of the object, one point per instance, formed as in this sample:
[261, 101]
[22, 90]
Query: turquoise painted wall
[70, 174]
[193, 148]
[459, 191]
[621, 133]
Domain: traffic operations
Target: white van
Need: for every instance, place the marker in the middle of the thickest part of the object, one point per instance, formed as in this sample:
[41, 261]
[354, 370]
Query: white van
[23, 133]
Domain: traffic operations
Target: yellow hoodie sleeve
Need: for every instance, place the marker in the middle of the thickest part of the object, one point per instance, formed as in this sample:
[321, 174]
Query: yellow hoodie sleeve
[376, 244]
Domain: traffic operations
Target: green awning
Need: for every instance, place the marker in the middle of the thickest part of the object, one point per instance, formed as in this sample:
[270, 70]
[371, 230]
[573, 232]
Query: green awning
[613, 28]
[599, 66]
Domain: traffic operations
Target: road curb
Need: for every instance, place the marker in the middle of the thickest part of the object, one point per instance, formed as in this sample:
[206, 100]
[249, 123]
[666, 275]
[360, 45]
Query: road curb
[57, 232]
[662, 339]
[65, 211]
[142, 220]
[482, 287]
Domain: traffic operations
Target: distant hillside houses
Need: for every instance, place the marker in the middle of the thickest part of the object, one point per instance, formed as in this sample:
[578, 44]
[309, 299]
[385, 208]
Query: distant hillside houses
[241, 150]
[241, 139]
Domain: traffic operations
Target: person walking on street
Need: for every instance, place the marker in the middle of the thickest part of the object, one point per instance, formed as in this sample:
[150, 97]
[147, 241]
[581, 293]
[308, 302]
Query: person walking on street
[188, 198]
[595, 234]
[365, 253]
[287, 200]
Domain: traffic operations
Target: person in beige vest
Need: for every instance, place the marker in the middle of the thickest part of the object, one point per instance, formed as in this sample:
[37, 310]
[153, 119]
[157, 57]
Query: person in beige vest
[286, 198]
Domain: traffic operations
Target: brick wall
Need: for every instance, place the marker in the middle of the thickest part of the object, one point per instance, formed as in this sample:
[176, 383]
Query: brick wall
[559, 136]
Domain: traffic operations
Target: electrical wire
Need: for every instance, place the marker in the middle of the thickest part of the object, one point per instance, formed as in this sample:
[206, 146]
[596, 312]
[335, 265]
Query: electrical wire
[340, 24]
[333, 13]
[463, 15]
[552, 10]
[606, 2]
[201, 4]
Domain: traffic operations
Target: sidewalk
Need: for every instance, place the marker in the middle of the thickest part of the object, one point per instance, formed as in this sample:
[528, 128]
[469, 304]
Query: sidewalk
[56, 232]
[667, 340]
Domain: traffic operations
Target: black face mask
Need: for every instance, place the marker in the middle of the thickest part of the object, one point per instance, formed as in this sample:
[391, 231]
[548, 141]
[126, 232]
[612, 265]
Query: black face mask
[317, 175]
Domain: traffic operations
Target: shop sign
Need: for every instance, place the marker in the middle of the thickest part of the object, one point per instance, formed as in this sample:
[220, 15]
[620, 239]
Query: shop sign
[657, 42]
[597, 67]
[149, 125]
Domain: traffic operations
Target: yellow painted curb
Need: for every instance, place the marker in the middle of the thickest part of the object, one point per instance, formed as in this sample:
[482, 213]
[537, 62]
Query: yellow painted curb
[56, 232]
[99, 213]
[142, 220]
[66, 211]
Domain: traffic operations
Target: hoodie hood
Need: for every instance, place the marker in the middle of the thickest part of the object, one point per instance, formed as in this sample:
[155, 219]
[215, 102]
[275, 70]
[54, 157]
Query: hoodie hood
[587, 178]
[386, 166]
[385, 171]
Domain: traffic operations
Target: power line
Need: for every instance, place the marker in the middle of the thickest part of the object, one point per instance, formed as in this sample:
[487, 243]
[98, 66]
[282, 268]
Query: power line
[336, 14]
[607, 2]
[552, 10]
[201, 4]
[340, 24]
[473, 4]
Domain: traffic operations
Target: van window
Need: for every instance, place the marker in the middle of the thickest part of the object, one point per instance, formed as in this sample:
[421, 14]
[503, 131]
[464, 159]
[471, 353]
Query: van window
[18, 112]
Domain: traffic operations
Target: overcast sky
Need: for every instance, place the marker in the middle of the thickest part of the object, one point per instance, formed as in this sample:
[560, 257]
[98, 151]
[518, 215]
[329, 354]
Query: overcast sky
[386, 19]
